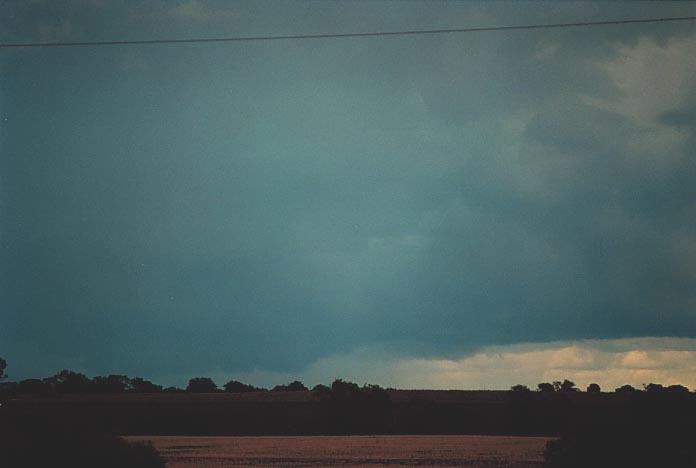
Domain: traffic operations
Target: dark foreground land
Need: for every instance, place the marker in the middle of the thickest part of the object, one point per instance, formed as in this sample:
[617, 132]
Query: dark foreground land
[394, 412]
[637, 429]
[349, 451]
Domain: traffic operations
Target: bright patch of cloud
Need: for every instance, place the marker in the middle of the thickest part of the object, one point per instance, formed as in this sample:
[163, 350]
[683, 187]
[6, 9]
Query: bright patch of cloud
[611, 363]
[638, 73]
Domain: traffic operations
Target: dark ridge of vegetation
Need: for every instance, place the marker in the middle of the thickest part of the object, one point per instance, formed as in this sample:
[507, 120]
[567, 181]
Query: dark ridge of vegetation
[234, 386]
[621, 444]
[202, 385]
[140, 385]
[648, 428]
[321, 390]
[295, 386]
[594, 388]
[70, 382]
[565, 386]
[348, 408]
[545, 387]
[520, 388]
[626, 389]
[351, 409]
[557, 386]
[40, 443]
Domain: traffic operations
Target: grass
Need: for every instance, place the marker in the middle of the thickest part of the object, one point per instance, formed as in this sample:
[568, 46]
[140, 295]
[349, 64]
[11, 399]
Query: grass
[350, 451]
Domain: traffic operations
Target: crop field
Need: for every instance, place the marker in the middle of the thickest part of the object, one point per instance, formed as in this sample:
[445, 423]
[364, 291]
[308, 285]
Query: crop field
[349, 451]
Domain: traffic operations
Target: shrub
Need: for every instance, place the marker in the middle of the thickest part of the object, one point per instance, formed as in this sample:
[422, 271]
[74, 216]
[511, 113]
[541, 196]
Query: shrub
[626, 389]
[234, 386]
[621, 446]
[33, 444]
[202, 385]
[593, 388]
[545, 387]
[519, 388]
[295, 386]
[140, 385]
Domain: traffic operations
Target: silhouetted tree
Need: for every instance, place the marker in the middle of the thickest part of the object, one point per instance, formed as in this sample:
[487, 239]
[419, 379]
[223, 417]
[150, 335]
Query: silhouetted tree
[654, 388]
[593, 388]
[321, 391]
[297, 386]
[343, 390]
[565, 386]
[3, 366]
[111, 384]
[623, 444]
[32, 442]
[680, 389]
[545, 387]
[374, 394]
[201, 385]
[67, 381]
[626, 389]
[294, 386]
[234, 386]
[519, 388]
[140, 385]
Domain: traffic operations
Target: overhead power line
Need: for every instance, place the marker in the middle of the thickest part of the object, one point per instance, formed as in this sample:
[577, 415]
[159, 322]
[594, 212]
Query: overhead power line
[347, 35]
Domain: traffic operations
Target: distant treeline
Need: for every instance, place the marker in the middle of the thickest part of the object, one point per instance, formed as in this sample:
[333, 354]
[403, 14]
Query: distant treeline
[652, 426]
[67, 381]
[568, 386]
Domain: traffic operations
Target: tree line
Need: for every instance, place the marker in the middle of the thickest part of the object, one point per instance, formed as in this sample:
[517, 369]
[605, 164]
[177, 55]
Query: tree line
[568, 386]
[68, 381]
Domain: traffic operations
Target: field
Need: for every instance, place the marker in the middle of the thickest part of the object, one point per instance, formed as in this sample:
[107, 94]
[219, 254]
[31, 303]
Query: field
[349, 451]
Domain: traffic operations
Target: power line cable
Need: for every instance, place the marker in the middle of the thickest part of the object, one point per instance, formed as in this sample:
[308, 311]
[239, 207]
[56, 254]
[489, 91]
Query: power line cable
[347, 35]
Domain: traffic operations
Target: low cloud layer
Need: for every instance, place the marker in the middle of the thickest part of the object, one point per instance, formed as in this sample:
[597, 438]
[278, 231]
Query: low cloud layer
[610, 363]
[174, 209]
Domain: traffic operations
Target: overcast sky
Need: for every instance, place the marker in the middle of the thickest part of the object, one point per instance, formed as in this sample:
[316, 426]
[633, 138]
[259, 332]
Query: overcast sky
[261, 209]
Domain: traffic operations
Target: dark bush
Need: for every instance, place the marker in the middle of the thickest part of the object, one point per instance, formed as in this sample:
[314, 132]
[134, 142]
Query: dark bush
[234, 386]
[295, 386]
[680, 389]
[67, 381]
[654, 388]
[546, 387]
[321, 391]
[519, 388]
[343, 390]
[140, 385]
[626, 389]
[111, 384]
[622, 446]
[202, 385]
[593, 388]
[568, 386]
[34, 444]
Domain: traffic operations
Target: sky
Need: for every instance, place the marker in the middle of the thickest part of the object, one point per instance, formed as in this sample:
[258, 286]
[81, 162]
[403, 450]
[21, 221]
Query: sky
[448, 211]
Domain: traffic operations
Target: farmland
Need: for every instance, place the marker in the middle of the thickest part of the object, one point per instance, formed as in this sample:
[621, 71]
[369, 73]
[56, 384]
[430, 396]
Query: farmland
[349, 451]
[423, 428]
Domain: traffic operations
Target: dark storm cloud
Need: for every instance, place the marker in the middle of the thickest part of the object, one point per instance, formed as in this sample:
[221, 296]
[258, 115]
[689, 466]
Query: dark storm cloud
[177, 209]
